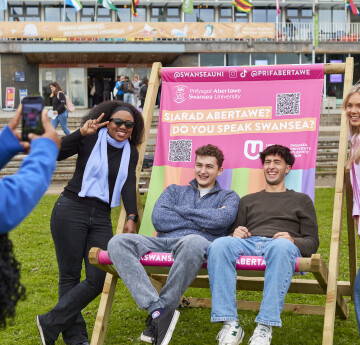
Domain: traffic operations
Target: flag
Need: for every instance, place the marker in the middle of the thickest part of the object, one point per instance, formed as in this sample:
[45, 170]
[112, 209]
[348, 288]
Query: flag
[242, 5]
[134, 3]
[107, 4]
[74, 3]
[188, 6]
[3, 5]
[277, 7]
[350, 4]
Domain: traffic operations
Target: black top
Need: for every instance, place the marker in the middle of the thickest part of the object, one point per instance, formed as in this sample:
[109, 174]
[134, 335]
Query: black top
[75, 143]
[58, 104]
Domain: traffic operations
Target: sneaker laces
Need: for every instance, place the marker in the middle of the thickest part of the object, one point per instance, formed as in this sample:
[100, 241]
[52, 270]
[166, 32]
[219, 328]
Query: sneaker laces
[262, 336]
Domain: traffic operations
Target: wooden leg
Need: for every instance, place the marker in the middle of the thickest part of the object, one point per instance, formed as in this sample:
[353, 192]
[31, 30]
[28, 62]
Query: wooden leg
[103, 314]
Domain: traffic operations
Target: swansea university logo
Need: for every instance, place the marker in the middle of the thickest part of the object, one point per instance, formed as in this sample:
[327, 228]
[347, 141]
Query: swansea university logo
[179, 93]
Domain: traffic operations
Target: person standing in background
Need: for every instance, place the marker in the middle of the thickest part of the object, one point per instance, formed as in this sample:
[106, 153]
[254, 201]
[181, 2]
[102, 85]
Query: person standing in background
[120, 94]
[58, 101]
[128, 89]
[106, 89]
[136, 84]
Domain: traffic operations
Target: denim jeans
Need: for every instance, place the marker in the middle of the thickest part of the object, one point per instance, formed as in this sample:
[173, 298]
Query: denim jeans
[357, 298]
[280, 257]
[128, 97]
[62, 119]
[75, 229]
[189, 253]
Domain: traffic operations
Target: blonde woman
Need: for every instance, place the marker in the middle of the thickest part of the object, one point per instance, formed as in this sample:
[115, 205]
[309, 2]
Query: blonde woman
[351, 105]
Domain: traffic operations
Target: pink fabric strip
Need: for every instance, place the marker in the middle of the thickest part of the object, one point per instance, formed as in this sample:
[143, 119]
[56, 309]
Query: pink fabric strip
[165, 260]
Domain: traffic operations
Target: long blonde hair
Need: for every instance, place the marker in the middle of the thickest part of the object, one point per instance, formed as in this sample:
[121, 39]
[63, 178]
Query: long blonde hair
[354, 130]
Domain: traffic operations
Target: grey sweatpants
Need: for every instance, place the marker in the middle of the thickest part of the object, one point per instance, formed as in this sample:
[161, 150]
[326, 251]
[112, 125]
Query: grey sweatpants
[189, 253]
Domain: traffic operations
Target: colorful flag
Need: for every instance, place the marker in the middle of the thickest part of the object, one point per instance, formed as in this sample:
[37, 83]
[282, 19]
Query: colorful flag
[74, 3]
[107, 4]
[350, 4]
[188, 6]
[242, 5]
[3, 5]
[277, 7]
[134, 3]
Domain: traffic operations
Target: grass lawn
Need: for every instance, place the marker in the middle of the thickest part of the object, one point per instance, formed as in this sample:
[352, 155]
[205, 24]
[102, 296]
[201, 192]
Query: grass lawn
[35, 250]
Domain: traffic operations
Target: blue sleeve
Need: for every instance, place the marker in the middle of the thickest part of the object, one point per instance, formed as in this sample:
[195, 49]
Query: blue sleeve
[165, 218]
[9, 146]
[213, 218]
[20, 192]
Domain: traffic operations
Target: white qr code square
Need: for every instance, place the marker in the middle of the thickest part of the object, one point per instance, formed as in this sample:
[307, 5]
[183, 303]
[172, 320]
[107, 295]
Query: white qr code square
[180, 150]
[288, 104]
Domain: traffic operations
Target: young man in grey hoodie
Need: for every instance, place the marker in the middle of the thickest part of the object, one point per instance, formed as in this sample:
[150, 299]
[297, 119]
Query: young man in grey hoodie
[187, 219]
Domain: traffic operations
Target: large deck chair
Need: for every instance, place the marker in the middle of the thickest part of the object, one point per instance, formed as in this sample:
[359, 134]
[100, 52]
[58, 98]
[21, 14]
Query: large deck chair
[325, 282]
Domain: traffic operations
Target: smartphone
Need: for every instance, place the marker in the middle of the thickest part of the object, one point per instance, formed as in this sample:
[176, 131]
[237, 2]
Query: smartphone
[31, 116]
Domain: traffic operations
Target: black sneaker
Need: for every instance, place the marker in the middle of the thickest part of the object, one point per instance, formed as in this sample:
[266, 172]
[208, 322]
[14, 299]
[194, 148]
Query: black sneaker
[44, 340]
[164, 326]
[148, 334]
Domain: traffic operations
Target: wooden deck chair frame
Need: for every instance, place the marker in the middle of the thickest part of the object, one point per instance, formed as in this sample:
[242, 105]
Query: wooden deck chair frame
[325, 281]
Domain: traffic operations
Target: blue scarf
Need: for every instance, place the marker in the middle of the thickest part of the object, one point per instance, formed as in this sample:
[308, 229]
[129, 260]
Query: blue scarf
[95, 181]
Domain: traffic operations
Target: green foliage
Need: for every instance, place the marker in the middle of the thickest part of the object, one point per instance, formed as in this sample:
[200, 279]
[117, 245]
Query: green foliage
[35, 250]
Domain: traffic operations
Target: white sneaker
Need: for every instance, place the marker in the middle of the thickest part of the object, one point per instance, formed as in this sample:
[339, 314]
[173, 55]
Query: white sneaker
[262, 335]
[230, 335]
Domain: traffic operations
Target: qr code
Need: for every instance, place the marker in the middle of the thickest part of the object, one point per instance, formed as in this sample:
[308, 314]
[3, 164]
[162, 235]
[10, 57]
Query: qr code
[180, 150]
[288, 104]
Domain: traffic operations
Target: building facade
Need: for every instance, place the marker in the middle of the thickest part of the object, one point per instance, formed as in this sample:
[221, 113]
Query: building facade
[31, 61]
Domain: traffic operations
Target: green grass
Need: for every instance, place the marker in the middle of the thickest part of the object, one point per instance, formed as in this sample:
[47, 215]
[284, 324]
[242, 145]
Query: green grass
[35, 250]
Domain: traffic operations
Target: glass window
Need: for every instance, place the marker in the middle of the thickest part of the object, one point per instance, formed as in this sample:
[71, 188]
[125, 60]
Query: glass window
[207, 14]
[2, 16]
[201, 14]
[307, 58]
[225, 14]
[52, 14]
[77, 86]
[287, 58]
[211, 59]
[241, 17]
[87, 14]
[124, 14]
[237, 59]
[262, 59]
[294, 15]
[165, 14]
[141, 17]
[173, 11]
[32, 11]
[70, 14]
[49, 75]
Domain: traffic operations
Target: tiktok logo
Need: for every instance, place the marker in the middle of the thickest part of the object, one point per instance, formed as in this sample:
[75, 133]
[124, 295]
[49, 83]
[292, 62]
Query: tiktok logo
[252, 149]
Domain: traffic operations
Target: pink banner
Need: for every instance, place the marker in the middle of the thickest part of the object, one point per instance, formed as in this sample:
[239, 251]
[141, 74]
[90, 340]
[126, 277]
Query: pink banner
[166, 260]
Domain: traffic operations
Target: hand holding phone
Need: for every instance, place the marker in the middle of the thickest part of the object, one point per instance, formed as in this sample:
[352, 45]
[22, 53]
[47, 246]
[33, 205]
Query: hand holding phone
[49, 131]
[32, 107]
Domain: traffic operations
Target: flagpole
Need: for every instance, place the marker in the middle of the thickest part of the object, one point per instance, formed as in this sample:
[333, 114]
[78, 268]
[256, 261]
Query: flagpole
[313, 34]
[64, 10]
[96, 6]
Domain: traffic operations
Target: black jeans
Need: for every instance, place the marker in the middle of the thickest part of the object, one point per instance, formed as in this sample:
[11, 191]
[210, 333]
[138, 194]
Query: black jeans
[75, 229]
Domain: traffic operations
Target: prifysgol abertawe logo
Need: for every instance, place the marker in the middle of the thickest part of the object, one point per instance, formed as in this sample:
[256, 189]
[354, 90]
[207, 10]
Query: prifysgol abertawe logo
[180, 91]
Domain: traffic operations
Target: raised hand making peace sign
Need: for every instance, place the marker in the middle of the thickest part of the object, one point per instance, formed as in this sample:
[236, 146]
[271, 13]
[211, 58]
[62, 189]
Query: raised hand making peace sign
[91, 126]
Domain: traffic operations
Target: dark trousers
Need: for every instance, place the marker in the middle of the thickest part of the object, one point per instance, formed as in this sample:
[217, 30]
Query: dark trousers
[120, 97]
[75, 229]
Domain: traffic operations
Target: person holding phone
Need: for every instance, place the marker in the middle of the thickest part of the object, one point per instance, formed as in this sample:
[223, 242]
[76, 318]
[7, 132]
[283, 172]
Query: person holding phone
[105, 172]
[19, 194]
[58, 102]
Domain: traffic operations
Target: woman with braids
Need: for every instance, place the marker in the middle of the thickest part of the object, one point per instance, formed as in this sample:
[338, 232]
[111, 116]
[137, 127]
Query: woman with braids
[19, 194]
[105, 172]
